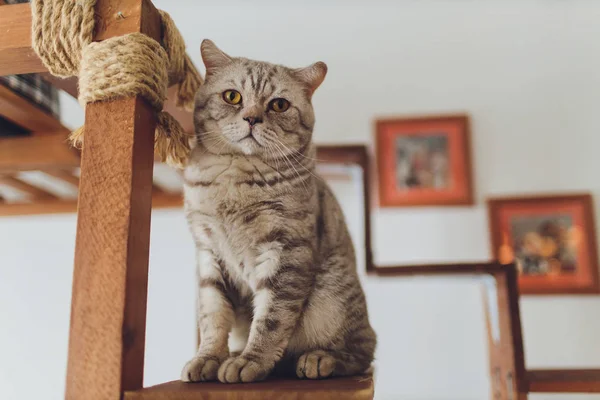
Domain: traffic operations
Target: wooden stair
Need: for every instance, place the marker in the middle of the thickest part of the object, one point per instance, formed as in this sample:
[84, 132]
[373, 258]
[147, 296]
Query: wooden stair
[350, 388]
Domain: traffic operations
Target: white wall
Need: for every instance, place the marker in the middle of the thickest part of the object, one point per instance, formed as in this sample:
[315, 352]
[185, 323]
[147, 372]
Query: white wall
[526, 71]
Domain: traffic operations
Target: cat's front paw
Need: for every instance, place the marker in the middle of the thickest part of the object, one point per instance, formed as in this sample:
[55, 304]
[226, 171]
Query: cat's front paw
[240, 369]
[201, 369]
[315, 365]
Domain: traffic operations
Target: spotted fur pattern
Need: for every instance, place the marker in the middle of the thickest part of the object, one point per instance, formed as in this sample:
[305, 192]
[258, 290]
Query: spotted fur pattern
[277, 282]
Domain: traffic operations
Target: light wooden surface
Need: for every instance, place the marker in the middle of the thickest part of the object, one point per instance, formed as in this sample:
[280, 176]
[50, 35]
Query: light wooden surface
[25, 114]
[37, 152]
[352, 388]
[108, 309]
[16, 54]
[564, 381]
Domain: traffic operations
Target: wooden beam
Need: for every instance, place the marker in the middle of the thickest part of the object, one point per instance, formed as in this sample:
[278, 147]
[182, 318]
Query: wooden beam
[16, 54]
[39, 207]
[510, 351]
[33, 191]
[68, 85]
[37, 152]
[439, 269]
[63, 175]
[564, 381]
[26, 114]
[108, 310]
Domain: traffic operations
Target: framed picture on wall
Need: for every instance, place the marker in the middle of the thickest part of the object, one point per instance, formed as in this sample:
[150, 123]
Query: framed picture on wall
[551, 239]
[424, 161]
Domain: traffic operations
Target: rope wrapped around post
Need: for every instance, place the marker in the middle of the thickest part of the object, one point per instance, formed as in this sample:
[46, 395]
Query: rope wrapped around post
[123, 66]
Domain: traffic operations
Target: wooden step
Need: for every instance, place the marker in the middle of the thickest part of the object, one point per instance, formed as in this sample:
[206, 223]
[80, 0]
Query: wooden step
[351, 388]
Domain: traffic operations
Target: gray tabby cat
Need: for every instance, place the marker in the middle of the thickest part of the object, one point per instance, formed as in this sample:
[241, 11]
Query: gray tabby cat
[278, 287]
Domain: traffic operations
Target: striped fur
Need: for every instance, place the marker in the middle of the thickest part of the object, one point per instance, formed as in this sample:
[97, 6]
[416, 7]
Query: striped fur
[277, 281]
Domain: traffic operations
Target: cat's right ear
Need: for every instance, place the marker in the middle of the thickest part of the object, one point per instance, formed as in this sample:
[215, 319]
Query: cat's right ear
[213, 57]
[312, 76]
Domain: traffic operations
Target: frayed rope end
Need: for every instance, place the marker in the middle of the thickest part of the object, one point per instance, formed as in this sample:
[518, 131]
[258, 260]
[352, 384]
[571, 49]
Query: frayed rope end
[171, 142]
[76, 137]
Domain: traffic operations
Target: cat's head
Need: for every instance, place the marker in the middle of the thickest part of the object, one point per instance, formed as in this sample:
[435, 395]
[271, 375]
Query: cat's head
[254, 108]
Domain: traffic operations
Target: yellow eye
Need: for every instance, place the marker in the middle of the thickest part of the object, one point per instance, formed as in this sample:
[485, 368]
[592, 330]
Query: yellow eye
[279, 105]
[232, 97]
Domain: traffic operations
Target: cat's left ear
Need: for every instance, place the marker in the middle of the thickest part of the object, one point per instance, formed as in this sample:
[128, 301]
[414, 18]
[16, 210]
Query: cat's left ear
[312, 76]
[213, 57]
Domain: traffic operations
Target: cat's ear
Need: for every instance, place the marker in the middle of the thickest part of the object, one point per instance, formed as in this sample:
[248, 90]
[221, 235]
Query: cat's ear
[212, 56]
[312, 76]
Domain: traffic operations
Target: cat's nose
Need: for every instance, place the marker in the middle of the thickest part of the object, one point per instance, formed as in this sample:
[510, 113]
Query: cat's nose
[253, 120]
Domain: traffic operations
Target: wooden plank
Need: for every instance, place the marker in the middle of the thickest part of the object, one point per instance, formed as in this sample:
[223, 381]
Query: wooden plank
[16, 54]
[37, 152]
[439, 269]
[351, 388]
[39, 207]
[108, 310]
[167, 200]
[32, 191]
[564, 381]
[68, 85]
[26, 114]
[63, 175]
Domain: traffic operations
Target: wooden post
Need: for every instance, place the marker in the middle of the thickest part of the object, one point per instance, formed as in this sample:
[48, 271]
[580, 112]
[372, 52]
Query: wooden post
[108, 310]
[507, 357]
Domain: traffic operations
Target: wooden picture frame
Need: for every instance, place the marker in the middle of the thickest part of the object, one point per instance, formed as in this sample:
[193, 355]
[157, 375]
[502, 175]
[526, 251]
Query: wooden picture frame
[424, 161]
[551, 238]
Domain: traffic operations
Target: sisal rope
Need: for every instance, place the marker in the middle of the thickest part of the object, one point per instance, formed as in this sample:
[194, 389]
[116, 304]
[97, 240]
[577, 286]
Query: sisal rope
[123, 66]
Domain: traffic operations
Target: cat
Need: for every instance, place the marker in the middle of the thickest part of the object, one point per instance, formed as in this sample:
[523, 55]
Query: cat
[276, 269]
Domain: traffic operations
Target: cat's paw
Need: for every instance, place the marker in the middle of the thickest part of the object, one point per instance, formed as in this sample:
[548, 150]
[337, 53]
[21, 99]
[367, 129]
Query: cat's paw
[315, 365]
[240, 369]
[201, 369]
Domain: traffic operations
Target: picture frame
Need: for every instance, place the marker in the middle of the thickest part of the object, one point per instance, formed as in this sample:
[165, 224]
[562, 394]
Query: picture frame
[424, 161]
[551, 239]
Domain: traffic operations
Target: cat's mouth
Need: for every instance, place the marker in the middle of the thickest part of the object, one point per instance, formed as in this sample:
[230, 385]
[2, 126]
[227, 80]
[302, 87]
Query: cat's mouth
[250, 137]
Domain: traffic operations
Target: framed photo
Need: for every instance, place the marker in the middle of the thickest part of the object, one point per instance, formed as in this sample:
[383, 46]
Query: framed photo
[424, 161]
[551, 239]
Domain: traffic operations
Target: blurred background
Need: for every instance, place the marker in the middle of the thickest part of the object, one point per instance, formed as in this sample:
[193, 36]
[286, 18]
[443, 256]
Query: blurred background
[527, 75]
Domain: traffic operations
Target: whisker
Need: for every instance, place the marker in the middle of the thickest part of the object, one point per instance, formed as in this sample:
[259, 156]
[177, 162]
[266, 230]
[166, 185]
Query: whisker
[292, 166]
[299, 162]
